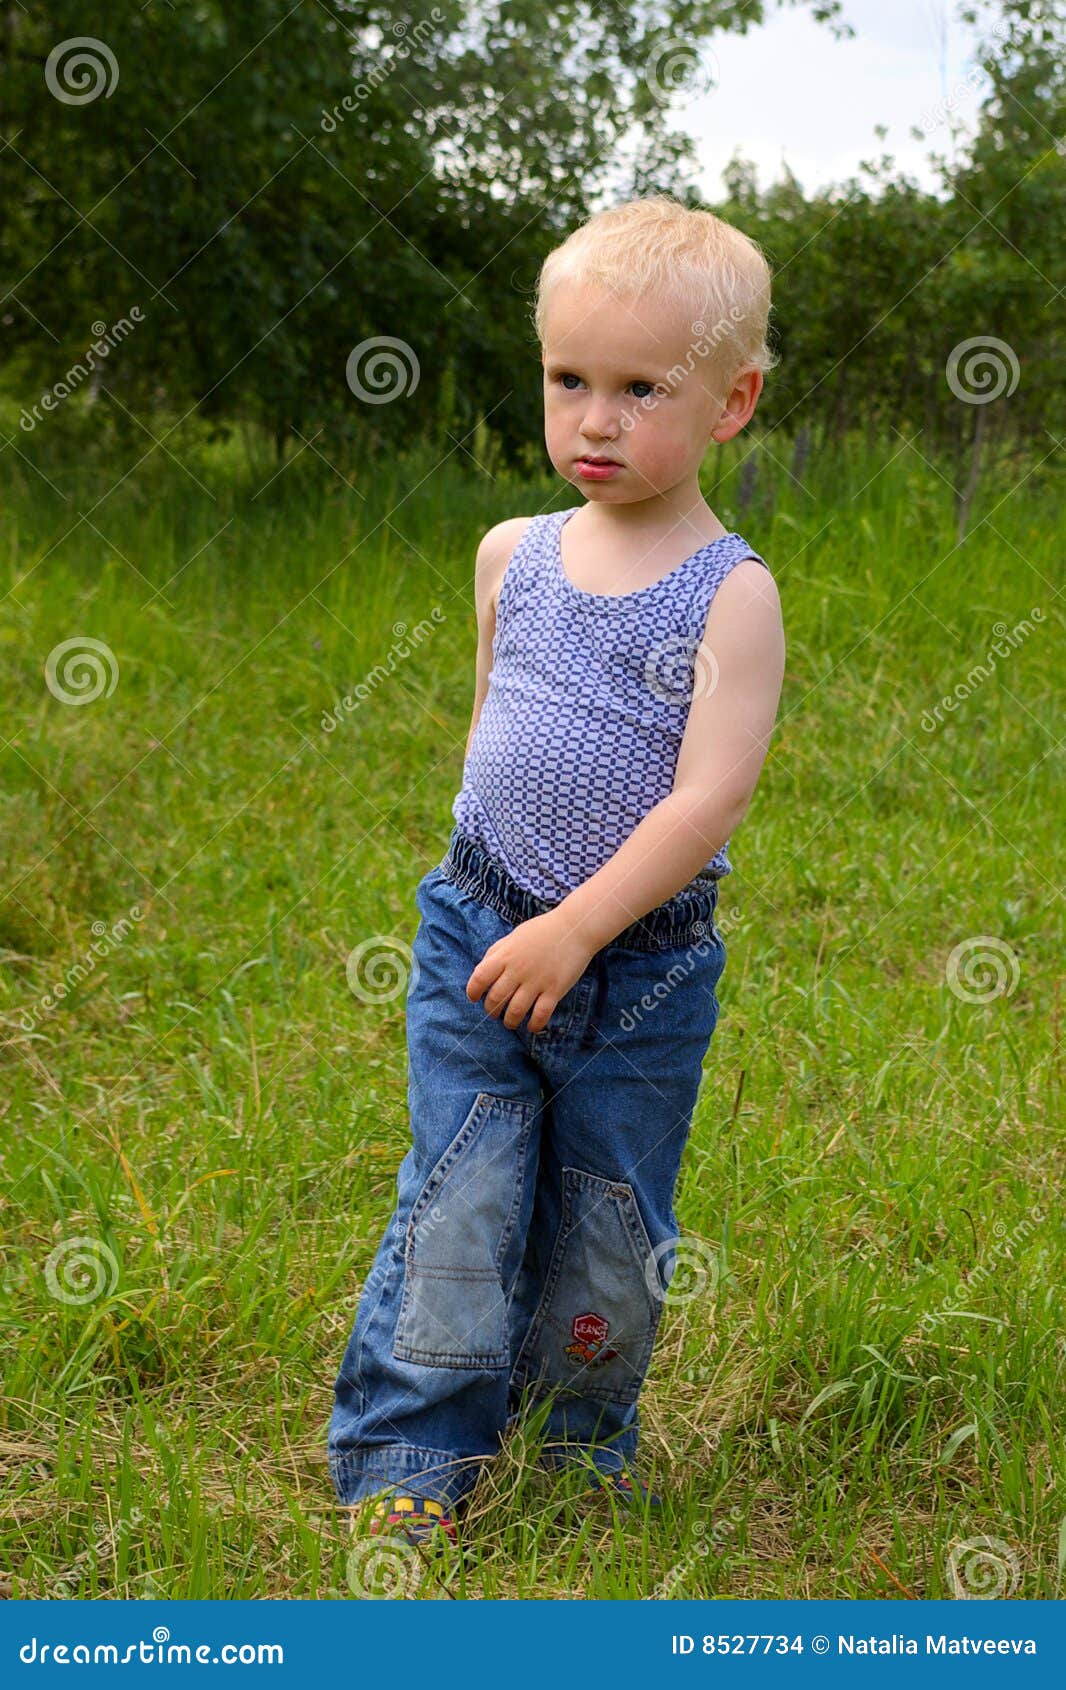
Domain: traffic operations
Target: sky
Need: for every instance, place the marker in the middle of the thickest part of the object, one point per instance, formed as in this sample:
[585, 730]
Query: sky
[789, 90]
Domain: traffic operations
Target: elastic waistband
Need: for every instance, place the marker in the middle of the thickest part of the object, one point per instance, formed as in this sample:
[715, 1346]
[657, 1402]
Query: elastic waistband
[684, 919]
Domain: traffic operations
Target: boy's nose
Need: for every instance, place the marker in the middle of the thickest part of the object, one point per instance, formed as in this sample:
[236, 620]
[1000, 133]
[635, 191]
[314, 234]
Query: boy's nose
[600, 424]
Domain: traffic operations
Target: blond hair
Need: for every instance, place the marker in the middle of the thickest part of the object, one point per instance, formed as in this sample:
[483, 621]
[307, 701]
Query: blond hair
[691, 259]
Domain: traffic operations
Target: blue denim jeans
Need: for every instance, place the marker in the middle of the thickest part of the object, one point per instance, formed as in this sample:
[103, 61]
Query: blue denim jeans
[532, 1241]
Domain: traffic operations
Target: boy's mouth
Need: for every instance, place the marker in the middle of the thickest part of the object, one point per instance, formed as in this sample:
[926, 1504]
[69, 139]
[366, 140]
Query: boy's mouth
[598, 468]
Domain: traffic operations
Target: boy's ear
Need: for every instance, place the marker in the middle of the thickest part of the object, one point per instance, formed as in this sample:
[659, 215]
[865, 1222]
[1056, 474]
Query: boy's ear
[739, 406]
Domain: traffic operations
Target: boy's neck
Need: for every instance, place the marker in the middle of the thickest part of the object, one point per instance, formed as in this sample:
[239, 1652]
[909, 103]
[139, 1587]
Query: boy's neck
[682, 512]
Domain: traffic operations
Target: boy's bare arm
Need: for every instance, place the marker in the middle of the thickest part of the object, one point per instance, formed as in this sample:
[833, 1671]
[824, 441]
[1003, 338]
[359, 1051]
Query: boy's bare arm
[493, 556]
[739, 669]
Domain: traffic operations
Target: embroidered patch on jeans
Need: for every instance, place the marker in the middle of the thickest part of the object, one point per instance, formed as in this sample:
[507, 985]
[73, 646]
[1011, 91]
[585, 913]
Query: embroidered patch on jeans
[589, 1332]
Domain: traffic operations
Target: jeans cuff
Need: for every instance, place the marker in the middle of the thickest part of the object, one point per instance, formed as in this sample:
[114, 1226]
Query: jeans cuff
[614, 1457]
[435, 1473]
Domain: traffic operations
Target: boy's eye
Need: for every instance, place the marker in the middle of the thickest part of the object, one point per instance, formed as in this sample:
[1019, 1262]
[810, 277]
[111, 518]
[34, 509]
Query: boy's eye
[569, 381]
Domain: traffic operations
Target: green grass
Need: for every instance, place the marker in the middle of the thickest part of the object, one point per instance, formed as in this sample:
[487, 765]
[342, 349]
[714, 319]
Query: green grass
[217, 1113]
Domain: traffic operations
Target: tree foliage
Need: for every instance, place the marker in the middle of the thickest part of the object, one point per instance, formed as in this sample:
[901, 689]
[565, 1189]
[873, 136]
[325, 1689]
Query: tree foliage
[272, 185]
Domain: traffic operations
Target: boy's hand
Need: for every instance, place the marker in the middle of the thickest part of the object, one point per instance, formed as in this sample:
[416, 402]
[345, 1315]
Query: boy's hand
[531, 968]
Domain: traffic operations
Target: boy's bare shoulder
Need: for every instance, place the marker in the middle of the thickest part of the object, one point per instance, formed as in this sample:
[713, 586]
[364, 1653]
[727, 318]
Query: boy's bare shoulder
[749, 583]
[494, 554]
[746, 609]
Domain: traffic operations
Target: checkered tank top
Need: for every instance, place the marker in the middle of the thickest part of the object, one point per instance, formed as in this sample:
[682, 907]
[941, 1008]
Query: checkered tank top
[580, 730]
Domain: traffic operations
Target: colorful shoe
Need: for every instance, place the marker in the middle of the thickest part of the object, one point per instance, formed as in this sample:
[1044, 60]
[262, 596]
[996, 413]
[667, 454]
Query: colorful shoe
[418, 1519]
[623, 1487]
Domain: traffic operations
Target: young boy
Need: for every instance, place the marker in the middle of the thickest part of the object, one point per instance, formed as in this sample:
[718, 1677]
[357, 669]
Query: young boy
[562, 998]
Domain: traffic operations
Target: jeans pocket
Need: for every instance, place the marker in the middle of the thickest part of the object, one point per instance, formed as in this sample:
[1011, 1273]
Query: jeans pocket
[453, 1311]
[594, 1329]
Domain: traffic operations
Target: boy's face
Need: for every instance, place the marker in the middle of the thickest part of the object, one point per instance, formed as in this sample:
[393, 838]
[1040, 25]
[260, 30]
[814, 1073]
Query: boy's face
[632, 380]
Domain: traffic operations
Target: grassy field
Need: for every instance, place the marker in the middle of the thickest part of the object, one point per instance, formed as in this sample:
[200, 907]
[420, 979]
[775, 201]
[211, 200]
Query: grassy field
[201, 1123]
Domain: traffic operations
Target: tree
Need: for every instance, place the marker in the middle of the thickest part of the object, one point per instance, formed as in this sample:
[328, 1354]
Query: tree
[277, 182]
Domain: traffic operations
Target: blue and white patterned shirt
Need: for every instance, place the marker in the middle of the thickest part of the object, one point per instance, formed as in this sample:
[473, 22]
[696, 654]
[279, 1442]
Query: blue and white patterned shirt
[588, 698]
